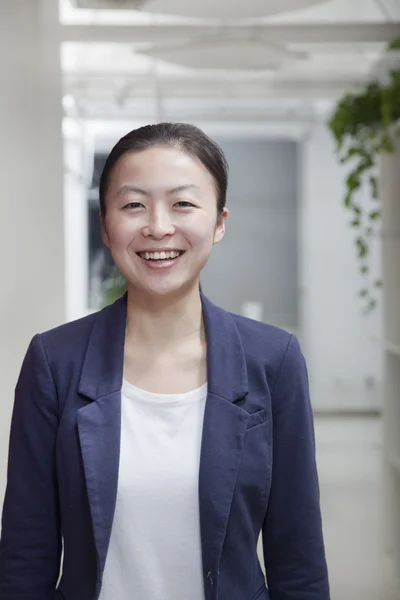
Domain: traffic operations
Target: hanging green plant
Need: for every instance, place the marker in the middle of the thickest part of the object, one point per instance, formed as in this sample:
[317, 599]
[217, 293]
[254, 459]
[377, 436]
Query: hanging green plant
[115, 286]
[362, 125]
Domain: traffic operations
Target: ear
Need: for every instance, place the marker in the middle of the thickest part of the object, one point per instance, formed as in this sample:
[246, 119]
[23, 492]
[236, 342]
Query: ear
[104, 234]
[220, 227]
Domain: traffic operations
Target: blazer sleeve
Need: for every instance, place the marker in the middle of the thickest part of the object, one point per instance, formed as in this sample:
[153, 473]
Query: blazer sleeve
[30, 544]
[293, 543]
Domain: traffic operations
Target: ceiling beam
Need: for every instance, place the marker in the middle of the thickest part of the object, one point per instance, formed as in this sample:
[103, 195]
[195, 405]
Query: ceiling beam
[298, 34]
[140, 87]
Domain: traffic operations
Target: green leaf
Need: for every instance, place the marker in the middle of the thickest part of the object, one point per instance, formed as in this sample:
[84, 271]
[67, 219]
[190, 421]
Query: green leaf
[347, 199]
[362, 248]
[378, 283]
[394, 45]
[386, 144]
[364, 269]
[352, 152]
[355, 223]
[375, 215]
[353, 181]
[364, 293]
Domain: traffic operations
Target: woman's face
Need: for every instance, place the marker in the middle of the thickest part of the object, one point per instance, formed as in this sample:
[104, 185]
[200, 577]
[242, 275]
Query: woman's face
[161, 219]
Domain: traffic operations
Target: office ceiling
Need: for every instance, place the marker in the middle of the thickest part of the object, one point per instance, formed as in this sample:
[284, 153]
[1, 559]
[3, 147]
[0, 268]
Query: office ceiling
[221, 60]
[205, 9]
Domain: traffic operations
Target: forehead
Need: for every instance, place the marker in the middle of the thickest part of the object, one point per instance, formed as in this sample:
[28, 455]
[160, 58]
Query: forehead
[157, 163]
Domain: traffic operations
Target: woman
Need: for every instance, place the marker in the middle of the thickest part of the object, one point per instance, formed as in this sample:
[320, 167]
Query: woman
[158, 437]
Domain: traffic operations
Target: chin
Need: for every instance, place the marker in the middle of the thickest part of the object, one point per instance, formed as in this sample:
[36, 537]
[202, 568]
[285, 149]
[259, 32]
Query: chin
[166, 290]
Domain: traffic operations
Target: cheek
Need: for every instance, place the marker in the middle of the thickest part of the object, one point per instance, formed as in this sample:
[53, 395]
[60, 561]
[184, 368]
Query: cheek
[120, 232]
[202, 231]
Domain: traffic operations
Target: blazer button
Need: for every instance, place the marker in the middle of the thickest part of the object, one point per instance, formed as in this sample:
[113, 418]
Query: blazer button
[209, 577]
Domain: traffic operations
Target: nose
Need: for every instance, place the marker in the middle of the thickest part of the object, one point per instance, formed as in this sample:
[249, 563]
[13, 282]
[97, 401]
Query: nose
[159, 224]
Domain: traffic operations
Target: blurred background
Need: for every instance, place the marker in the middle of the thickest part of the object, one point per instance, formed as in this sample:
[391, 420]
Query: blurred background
[304, 98]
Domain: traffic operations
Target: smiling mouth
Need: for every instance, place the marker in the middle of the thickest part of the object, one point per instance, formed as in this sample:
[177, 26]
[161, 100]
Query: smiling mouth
[161, 256]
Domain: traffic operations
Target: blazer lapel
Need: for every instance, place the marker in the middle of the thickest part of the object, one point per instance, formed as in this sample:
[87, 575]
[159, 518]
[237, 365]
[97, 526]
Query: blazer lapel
[223, 434]
[99, 423]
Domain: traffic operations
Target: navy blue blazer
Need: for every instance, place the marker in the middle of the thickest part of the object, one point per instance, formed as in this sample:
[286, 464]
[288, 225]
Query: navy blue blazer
[257, 466]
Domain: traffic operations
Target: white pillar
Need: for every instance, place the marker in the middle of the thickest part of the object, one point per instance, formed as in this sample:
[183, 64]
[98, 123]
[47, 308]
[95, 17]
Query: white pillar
[78, 173]
[31, 189]
[390, 195]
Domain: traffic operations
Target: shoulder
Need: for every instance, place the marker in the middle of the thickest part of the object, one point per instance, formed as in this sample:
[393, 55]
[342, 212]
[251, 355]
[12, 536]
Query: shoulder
[260, 332]
[69, 340]
[70, 330]
[276, 348]
[262, 337]
[62, 348]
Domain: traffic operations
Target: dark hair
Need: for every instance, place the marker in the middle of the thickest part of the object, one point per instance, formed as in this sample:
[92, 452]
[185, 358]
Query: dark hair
[185, 137]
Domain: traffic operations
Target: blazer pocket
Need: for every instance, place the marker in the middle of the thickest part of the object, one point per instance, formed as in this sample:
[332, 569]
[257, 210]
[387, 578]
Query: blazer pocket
[262, 594]
[257, 418]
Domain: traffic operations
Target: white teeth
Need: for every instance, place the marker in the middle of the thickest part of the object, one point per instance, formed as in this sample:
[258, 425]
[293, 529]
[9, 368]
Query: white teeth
[159, 255]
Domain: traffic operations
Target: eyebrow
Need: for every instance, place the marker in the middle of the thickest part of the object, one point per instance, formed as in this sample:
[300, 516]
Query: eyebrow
[132, 188]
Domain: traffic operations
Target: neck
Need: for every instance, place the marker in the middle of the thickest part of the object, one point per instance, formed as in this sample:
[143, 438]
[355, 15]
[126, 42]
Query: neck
[164, 322]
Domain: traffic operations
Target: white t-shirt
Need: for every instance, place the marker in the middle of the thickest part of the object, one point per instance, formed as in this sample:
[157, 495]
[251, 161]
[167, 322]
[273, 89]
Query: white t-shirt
[155, 545]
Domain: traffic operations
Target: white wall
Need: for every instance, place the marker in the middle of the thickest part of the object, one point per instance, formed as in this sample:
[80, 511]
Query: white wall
[342, 347]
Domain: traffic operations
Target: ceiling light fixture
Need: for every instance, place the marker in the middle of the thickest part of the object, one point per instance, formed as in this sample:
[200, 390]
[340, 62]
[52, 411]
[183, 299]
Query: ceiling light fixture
[225, 53]
[205, 9]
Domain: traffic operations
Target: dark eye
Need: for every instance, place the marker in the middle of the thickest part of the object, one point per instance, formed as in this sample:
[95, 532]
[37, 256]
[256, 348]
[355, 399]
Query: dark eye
[183, 204]
[133, 205]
